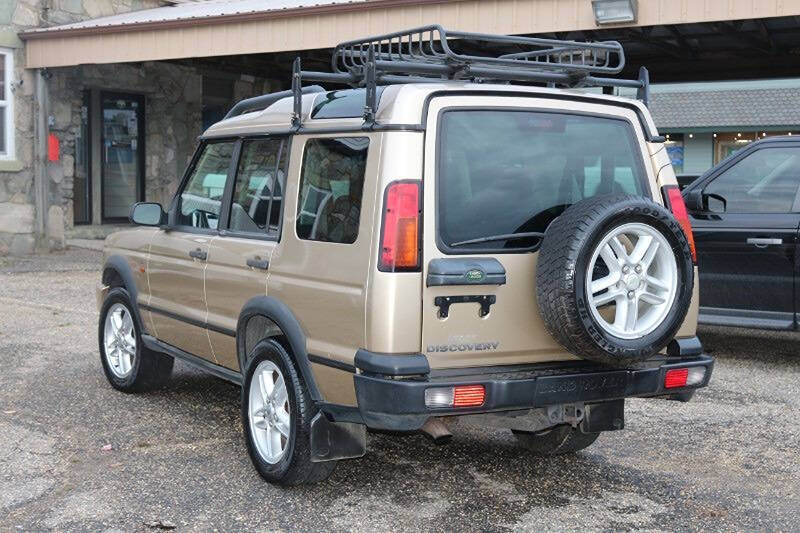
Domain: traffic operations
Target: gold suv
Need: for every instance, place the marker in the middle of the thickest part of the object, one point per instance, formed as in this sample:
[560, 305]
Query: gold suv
[447, 239]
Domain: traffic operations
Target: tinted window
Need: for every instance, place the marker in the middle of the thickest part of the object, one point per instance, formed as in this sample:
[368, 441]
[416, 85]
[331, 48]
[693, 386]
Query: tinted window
[201, 198]
[331, 185]
[258, 192]
[765, 181]
[507, 172]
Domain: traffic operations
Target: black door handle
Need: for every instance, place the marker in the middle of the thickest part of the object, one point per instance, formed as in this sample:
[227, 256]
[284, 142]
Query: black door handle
[257, 262]
[198, 254]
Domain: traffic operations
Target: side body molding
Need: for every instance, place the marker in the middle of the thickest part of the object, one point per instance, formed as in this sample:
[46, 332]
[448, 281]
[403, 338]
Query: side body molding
[280, 314]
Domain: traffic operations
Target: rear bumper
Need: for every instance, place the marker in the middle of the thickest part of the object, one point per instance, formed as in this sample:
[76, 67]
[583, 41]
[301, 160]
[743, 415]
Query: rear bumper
[398, 403]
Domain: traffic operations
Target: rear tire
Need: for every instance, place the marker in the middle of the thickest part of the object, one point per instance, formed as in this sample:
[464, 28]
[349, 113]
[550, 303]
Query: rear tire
[559, 440]
[277, 418]
[128, 365]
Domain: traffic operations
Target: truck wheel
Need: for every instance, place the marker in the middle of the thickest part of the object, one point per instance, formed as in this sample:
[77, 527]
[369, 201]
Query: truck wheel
[614, 279]
[276, 415]
[556, 441]
[127, 364]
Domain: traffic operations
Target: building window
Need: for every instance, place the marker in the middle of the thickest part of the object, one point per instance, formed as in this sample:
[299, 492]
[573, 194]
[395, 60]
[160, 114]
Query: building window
[674, 146]
[6, 104]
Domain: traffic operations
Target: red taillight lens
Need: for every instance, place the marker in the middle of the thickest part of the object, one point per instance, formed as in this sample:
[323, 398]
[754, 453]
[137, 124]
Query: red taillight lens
[672, 194]
[401, 231]
[468, 396]
[676, 378]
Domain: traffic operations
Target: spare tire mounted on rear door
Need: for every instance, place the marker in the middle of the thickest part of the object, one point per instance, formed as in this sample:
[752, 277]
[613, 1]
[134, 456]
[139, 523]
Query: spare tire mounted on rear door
[614, 278]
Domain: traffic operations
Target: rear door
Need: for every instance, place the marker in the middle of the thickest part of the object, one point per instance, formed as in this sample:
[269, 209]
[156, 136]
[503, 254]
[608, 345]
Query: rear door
[502, 170]
[320, 267]
[747, 240]
[239, 259]
[178, 253]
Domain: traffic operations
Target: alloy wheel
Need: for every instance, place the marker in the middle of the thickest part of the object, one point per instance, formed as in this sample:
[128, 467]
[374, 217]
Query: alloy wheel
[269, 412]
[631, 281]
[119, 334]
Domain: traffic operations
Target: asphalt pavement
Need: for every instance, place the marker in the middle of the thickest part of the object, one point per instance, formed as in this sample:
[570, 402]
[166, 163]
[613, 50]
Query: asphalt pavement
[76, 455]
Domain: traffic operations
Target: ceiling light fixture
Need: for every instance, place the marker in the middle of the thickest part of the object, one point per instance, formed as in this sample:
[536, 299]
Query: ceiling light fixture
[614, 11]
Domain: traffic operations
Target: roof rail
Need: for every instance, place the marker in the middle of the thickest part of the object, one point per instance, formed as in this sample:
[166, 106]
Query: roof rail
[431, 53]
[257, 103]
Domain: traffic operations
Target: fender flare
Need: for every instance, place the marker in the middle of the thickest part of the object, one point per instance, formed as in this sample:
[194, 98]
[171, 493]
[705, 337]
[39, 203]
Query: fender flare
[120, 266]
[279, 313]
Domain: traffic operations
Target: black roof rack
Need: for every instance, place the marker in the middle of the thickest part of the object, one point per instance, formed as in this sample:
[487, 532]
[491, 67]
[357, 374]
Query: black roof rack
[431, 53]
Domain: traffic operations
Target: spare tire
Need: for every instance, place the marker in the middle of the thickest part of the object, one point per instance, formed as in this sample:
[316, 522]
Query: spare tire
[614, 279]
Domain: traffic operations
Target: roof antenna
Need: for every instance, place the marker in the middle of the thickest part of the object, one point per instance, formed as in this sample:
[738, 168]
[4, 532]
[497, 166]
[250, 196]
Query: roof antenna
[297, 93]
[371, 88]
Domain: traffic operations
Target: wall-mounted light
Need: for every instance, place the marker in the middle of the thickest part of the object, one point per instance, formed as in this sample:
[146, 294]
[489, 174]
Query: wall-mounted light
[691, 135]
[614, 11]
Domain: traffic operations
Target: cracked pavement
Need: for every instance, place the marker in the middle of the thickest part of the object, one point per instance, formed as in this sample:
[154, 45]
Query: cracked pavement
[727, 461]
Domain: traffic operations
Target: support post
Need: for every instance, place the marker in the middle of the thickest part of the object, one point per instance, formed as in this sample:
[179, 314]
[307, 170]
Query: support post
[40, 191]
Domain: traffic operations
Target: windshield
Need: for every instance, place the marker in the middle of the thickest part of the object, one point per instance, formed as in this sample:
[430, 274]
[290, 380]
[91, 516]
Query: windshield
[509, 172]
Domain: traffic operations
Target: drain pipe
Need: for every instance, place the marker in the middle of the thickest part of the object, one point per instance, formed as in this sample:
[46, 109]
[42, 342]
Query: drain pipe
[40, 160]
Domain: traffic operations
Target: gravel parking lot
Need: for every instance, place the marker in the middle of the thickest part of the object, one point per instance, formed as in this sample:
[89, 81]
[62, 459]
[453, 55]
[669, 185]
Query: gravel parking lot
[729, 460]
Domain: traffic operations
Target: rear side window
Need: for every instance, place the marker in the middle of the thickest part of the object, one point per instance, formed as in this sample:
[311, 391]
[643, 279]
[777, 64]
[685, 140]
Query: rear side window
[507, 172]
[331, 186]
[201, 199]
[258, 192]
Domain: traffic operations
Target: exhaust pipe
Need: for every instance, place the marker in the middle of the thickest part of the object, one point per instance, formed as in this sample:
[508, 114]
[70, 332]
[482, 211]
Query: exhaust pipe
[437, 431]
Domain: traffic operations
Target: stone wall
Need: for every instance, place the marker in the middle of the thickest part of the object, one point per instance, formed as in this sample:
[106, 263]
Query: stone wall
[173, 107]
[17, 216]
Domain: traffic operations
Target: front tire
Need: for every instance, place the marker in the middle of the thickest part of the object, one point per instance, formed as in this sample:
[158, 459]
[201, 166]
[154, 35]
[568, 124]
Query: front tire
[559, 440]
[127, 364]
[276, 415]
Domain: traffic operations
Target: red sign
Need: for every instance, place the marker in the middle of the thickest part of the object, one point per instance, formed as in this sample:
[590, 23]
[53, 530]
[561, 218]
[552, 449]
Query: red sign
[52, 147]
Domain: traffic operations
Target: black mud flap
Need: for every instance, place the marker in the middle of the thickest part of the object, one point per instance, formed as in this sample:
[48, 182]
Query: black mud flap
[331, 441]
[606, 416]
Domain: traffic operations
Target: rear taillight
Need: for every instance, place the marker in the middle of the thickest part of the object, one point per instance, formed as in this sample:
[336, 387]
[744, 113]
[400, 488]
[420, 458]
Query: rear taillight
[672, 195]
[400, 248]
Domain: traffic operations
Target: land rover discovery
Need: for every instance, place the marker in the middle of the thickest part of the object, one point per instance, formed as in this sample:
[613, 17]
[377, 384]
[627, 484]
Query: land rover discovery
[448, 238]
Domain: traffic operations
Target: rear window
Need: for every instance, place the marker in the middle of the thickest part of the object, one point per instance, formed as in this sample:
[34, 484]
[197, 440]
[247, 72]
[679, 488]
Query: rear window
[508, 172]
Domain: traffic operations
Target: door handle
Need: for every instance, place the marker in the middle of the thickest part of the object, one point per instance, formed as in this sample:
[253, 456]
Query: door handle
[256, 262]
[198, 254]
[763, 242]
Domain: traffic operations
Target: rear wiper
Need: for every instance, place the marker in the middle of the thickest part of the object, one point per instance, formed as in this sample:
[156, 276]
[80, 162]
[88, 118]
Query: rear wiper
[503, 237]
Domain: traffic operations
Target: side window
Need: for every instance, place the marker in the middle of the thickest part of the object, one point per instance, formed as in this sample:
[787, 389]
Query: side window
[258, 192]
[201, 199]
[331, 185]
[765, 181]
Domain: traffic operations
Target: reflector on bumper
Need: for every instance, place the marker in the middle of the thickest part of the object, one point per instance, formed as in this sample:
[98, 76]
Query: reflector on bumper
[684, 377]
[458, 396]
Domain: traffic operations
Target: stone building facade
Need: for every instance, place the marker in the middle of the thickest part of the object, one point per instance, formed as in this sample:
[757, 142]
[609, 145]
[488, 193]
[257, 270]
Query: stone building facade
[62, 136]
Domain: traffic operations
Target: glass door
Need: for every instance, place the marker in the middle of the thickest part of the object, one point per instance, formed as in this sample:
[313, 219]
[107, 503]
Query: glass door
[122, 154]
